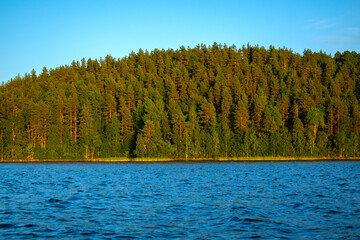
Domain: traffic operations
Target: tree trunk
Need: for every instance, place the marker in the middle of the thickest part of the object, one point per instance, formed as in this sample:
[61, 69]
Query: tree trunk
[86, 151]
[75, 126]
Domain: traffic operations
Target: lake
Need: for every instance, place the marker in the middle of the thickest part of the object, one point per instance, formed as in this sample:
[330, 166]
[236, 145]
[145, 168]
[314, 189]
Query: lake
[182, 200]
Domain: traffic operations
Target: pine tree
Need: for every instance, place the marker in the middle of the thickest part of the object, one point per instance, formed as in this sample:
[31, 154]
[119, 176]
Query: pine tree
[90, 138]
[260, 103]
[315, 119]
[226, 103]
[241, 114]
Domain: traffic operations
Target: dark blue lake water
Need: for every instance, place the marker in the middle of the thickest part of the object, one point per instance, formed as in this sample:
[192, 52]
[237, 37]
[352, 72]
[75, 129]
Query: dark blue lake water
[208, 200]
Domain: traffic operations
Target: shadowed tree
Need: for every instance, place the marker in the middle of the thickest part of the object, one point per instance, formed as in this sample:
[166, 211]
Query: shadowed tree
[315, 119]
[226, 102]
[298, 138]
[260, 103]
[241, 114]
[90, 137]
[178, 123]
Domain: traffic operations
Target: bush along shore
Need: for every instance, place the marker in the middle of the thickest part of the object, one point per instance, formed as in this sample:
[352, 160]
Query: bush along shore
[243, 159]
[207, 102]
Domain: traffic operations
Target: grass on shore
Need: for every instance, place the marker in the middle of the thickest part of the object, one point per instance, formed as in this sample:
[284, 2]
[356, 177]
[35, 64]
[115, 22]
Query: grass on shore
[124, 159]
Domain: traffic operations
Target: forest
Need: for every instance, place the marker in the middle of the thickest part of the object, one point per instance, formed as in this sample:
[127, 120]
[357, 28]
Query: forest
[189, 103]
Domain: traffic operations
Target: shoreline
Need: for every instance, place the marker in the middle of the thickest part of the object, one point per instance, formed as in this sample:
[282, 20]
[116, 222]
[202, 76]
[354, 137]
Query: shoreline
[243, 159]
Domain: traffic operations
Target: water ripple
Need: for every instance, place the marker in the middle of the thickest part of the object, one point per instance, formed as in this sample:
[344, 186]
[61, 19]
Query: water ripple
[180, 200]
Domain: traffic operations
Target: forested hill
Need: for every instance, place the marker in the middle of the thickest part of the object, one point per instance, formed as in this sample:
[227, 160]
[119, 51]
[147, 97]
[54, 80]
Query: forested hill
[203, 102]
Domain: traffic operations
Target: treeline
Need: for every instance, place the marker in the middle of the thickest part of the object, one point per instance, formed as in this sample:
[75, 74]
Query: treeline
[202, 102]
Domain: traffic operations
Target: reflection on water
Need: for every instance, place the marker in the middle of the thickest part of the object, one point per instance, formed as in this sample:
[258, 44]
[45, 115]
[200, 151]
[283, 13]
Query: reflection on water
[212, 200]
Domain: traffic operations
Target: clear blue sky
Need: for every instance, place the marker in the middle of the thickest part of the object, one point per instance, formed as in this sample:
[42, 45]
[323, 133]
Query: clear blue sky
[37, 33]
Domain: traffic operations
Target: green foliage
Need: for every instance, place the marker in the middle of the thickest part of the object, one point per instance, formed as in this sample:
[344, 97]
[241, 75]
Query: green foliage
[89, 136]
[205, 102]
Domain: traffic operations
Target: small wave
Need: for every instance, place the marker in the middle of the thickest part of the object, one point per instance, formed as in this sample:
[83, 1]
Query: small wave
[88, 233]
[333, 212]
[29, 225]
[237, 207]
[54, 200]
[125, 237]
[235, 219]
[59, 201]
[286, 231]
[74, 198]
[7, 225]
[259, 220]
[296, 205]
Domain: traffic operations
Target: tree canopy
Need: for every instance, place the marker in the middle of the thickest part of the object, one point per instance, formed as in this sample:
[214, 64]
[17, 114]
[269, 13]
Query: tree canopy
[202, 102]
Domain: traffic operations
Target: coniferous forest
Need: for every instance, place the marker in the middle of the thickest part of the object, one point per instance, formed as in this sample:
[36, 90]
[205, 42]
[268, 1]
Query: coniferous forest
[203, 102]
